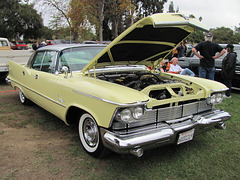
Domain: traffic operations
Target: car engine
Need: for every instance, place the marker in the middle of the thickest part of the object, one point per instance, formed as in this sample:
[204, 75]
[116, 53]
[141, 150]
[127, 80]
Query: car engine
[138, 78]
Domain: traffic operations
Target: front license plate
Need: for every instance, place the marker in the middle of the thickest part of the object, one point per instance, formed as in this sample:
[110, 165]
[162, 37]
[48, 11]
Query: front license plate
[185, 136]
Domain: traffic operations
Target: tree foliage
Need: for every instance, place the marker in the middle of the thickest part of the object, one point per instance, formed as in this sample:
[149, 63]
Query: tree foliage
[84, 14]
[17, 19]
[117, 10]
[196, 37]
[147, 7]
[225, 35]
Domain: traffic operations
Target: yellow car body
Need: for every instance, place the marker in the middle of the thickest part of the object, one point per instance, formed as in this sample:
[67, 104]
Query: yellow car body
[121, 105]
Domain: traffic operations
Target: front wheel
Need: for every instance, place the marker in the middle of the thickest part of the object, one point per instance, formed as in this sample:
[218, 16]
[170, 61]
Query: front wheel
[90, 136]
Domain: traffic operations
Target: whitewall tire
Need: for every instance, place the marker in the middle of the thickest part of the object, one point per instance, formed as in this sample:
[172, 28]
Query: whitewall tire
[90, 136]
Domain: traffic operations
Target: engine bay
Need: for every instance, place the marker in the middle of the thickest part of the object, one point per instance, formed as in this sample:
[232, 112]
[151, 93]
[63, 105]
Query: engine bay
[140, 79]
[137, 81]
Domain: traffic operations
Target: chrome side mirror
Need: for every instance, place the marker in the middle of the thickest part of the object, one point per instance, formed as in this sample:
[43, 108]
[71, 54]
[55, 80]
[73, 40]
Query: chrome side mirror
[65, 70]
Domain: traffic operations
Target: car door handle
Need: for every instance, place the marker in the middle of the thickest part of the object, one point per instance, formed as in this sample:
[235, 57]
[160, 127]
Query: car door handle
[36, 76]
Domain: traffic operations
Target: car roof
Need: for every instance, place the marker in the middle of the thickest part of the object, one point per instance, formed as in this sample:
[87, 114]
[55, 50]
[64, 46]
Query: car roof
[59, 47]
[235, 45]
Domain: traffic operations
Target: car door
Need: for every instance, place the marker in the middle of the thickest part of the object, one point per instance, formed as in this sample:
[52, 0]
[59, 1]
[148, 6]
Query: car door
[43, 80]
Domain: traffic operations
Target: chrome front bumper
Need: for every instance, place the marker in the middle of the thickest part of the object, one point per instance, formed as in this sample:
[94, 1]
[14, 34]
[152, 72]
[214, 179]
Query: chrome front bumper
[164, 133]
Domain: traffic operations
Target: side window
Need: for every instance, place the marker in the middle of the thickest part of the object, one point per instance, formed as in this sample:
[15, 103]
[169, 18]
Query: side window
[45, 61]
[38, 61]
[3, 43]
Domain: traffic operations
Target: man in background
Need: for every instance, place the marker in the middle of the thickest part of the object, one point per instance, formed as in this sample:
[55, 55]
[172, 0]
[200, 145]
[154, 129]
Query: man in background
[176, 69]
[207, 56]
[228, 68]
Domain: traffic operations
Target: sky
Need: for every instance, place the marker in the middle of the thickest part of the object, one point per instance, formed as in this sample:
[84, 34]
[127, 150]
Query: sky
[215, 13]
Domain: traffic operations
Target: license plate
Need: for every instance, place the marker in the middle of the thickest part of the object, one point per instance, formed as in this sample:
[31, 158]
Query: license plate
[185, 136]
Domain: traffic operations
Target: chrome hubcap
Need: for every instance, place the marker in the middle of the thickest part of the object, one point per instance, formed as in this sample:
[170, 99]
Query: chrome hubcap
[22, 97]
[90, 132]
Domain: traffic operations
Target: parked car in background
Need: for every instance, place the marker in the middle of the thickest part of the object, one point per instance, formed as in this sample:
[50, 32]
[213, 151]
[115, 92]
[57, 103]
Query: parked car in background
[192, 62]
[189, 48]
[118, 103]
[19, 45]
[60, 41]
[6, 53]
[89, 42]
[4, 44]
[50, 42]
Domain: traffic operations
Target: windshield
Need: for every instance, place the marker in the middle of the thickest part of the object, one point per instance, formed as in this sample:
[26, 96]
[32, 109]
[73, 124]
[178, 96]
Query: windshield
[20, 43]
[77, 58]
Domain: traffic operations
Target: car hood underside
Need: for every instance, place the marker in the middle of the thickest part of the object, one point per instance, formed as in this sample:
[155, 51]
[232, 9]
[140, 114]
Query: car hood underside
[146, 42]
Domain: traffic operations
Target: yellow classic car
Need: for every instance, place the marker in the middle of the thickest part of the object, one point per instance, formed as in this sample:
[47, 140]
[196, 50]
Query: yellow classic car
[118, 103]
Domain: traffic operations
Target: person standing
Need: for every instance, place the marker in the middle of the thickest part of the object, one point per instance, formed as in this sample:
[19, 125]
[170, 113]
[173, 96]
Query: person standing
[181, 49]
[228, 68]
[207, 56]
[35, 45]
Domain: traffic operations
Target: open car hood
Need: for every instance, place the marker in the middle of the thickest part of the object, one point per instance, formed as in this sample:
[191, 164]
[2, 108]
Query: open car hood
[147, 41]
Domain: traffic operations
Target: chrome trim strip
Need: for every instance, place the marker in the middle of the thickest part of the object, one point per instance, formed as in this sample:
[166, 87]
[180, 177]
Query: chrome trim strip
[180, 23]
[111, 102]
[219, 90]
[40, 94]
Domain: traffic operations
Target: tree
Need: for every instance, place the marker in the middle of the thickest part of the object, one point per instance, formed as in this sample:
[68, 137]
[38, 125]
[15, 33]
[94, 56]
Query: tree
[18, 19]
[86, 13]
[117, 9]
[59, 10]
[224, 35]
[196, 37]
[148, 7]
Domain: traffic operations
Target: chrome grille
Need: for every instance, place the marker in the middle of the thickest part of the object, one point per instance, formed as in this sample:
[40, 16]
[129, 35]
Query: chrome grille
[203, 106]
[191, 108]
[149, 117]
[169, 113]
[176, 112]
[165, 114]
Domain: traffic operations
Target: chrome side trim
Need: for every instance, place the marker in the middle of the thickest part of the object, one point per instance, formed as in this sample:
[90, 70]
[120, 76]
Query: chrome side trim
[40, 94]
[111, 102]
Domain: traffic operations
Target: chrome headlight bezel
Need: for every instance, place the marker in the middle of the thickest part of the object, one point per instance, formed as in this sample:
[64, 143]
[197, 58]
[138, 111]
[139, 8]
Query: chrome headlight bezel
[130, 114]
[215, 98]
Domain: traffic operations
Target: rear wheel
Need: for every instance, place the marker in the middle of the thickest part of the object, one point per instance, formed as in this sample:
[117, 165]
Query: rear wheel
[90, 136]
[23, 98]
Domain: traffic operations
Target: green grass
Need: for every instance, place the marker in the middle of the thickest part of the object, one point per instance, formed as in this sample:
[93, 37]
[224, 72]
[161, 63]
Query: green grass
[213, 155]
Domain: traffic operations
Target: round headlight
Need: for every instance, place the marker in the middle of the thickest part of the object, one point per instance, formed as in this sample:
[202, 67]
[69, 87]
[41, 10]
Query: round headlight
[213, 99]
[125, 115]
[138, 113]
[219, 98]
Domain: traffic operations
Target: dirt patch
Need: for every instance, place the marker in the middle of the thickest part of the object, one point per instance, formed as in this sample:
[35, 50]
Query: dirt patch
[31, 153]
[28, 152]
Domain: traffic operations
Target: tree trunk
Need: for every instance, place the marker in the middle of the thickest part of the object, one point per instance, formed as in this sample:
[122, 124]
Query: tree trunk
[115, 32]
[101, 17]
